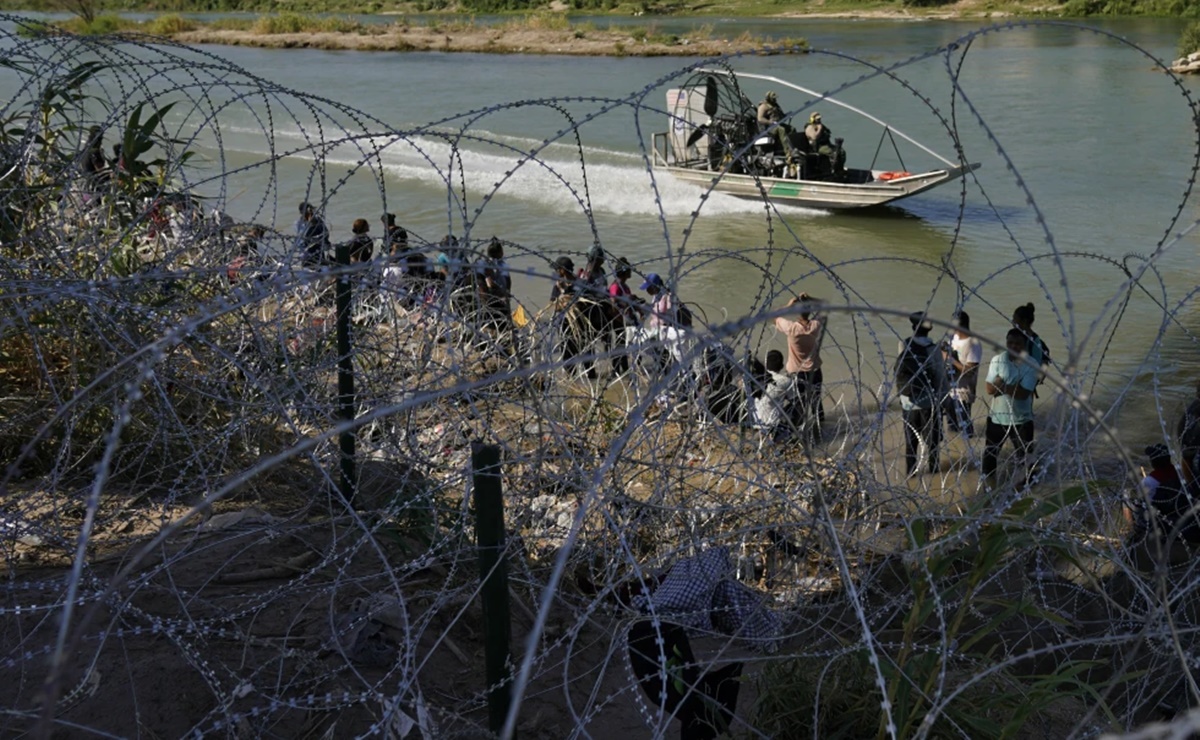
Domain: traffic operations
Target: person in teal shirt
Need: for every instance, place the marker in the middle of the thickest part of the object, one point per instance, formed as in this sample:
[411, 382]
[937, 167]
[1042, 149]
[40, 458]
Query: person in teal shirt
[1011, 379]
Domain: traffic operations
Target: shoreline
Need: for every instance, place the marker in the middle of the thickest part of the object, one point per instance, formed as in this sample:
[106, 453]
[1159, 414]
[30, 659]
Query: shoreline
[491, 40]
[550, 33]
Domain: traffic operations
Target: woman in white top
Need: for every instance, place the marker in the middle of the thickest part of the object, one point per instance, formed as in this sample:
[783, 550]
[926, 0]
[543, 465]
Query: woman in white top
[962, 360]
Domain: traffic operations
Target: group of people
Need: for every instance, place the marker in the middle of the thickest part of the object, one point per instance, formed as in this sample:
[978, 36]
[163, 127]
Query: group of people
[591, 307]
[816, 136]
[937, 383]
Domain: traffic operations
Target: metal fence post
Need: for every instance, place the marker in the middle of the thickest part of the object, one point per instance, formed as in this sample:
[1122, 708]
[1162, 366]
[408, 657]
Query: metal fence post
[348, 482]
[489, 537]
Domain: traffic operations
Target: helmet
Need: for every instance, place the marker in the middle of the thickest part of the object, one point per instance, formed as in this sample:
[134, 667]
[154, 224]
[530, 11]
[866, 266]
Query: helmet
[771, 97]
[814, 118]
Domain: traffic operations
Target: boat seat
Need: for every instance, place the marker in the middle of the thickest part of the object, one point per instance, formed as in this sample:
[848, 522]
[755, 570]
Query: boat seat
[816, 166]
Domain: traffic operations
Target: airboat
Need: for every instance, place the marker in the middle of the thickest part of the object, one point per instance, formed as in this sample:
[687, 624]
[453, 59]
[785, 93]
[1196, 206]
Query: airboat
[715, 142]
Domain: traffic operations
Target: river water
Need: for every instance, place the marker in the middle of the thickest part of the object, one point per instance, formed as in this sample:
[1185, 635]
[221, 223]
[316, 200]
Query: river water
[1087, 154]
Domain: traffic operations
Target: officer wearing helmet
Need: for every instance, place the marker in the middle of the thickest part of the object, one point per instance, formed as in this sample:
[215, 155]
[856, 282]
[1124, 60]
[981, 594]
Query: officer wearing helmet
[770, 114]
[816, 132]
[820, 141]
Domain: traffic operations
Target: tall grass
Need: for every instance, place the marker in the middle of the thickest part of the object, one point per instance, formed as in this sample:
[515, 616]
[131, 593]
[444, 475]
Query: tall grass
[172, 23]
[300, 23]
[539, 22]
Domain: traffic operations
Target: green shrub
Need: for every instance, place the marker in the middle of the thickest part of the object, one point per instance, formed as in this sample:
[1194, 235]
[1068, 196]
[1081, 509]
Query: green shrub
[1162, 8]
[282, 23]
[1189, 40]
[102, 25]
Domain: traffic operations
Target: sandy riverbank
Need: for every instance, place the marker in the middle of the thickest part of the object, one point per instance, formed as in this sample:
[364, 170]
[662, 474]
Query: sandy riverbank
[493, 40]
[555, 34]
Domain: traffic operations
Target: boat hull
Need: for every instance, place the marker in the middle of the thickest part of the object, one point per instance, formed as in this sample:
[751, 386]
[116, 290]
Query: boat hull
[819, 194]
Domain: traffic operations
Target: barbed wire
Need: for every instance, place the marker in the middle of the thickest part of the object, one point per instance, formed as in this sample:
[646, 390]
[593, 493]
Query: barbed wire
[188, 554]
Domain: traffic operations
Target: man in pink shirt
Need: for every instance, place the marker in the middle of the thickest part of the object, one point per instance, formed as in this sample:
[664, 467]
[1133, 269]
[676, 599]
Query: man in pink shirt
[804, 360]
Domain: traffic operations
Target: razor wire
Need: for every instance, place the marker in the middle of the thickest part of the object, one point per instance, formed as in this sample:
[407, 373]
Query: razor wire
[181, 560]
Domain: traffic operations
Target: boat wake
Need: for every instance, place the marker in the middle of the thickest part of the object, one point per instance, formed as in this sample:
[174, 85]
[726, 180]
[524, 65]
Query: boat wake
[559, 177]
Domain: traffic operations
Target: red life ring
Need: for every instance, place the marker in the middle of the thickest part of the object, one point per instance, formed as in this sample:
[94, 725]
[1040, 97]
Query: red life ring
[893, 175]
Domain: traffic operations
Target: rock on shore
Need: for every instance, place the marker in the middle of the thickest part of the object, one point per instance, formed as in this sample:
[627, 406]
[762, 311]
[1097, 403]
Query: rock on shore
[1189, 64]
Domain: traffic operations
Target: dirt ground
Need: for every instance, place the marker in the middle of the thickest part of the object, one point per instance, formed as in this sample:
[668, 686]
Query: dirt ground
[272, 612]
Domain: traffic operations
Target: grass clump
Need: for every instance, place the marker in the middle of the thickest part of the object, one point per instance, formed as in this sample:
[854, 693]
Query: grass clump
[101, 25]
[287, 22]
[170, 24]
[230, 24]
[541, 22]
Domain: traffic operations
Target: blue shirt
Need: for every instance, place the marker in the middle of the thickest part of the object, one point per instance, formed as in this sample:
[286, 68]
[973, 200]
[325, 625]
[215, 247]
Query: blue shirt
[1006, 410]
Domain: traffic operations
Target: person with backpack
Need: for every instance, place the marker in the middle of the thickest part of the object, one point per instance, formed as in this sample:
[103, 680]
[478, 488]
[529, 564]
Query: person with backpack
[1022, 318]
[1010, 382]
[921, 381]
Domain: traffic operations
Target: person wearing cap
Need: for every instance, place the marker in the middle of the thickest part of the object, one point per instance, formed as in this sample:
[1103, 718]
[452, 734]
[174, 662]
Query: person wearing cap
[962, 355]
[662, 303]
[921, 377]
[771, 115]
[817, 132]
[1009, 382]
[820, 140]
[1161, 504]
[804, 337]
[312, 237]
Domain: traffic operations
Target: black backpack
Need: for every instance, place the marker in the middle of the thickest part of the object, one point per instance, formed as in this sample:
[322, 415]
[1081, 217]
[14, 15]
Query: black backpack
[684, 315]
[914, 371]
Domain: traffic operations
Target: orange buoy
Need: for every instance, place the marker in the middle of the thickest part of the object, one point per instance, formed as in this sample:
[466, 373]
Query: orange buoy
[893, 175]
